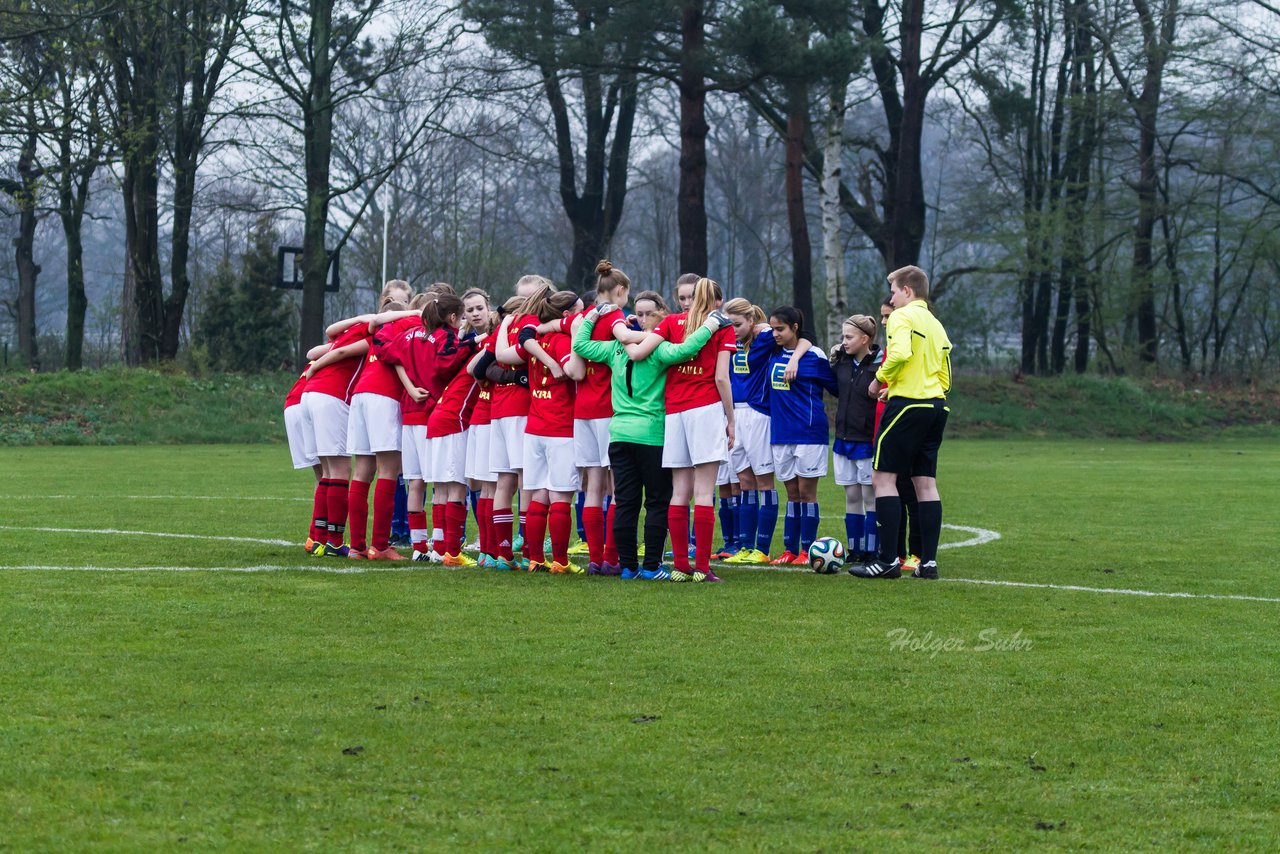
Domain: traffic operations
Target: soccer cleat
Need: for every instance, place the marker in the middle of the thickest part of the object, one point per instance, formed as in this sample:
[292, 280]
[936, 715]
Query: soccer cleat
[501, 564]
[309, 545]
[710, 576]
[629, 574]
[421, 557]
[579, 548]
[484, 561]
[802, 559]
[569, 568]
[877, 569]
[593, 568]
[356, 554]
[400, 541]
[640, 550]
[909, 563]
[537, 566]
[927, 571]
[659, 574]
[783, 559]
[385, 554]
[681, 576]
[745, 556]
[458, 560]
[610, 569]
[517, 545]
[472, 546]
[320, 550]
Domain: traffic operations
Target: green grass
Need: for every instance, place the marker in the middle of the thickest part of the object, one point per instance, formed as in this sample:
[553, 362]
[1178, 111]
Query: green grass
[212, 710]
[119, 406]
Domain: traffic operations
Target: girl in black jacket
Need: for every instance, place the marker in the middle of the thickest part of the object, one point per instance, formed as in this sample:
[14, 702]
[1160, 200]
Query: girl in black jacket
[855, 362]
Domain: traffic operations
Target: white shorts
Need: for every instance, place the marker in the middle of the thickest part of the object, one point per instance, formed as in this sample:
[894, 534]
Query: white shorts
[591, 442]
[374, 424]
[726, 475]
[448, 458]
[695, 436]
[506, 444]
[799, 461]
[477, 467]
[751, 448]
[328, 416]
[413, 451]
[302, 437]
[549, 463]
[849, 472]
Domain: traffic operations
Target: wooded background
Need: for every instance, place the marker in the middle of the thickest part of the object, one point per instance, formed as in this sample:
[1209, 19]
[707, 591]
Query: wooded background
[1092, 186]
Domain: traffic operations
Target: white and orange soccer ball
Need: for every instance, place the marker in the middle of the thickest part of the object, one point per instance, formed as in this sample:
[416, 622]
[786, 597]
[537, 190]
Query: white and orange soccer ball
[826, 555]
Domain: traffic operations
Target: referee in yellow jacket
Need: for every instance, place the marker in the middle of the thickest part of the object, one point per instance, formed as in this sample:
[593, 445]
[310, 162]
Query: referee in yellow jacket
[913, 380]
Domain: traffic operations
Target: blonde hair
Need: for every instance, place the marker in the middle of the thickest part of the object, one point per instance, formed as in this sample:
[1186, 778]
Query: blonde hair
[418, 301]
[911, 277]
[385, 298]
[441, 288]
[743, 307]
[706, 294]
[546, 303]
[863, 323]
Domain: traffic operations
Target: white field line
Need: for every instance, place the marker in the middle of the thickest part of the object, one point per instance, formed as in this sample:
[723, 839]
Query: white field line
[335, 569]
[1116, 591]
[64, 497]
[114, 531]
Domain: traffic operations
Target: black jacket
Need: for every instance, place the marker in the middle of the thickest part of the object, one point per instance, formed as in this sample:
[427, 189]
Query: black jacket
[856, 413]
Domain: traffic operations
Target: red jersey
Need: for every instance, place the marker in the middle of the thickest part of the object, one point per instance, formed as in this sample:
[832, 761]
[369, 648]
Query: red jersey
[338, 379]
[294, 397]
[377, 376]
[693, 383]
[480, 415]
[594, 397]
[453, 413]
[513, 399]
[551, 399]
[406, 343]
[452, 355]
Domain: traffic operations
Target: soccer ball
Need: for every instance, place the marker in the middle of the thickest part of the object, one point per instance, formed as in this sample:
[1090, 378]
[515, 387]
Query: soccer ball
[826, 555]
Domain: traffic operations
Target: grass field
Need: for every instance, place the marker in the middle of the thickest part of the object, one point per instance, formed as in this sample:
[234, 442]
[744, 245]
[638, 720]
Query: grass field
[428, 709]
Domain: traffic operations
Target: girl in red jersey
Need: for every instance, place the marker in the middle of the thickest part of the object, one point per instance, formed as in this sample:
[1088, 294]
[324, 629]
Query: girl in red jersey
[326, 399]
[550, 472]
[480, 319]
[302, 447]
[509, 410]
[446, 429]
[699, 428]
[373, 433]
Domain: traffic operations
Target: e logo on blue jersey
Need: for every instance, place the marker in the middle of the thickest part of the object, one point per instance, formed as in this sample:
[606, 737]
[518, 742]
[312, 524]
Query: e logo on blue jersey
[776, 373]
[739, 363]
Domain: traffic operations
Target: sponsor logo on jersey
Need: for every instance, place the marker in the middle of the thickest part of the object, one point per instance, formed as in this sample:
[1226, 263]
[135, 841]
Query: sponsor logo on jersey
[739, 363]
[775, 377]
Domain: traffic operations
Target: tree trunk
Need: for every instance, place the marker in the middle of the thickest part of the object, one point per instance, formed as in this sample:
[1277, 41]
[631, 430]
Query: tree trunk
[832, 242]
[801, 250]
[317, 151]
[24, 250]
[692, 207]
[77, 302]
[906, 219]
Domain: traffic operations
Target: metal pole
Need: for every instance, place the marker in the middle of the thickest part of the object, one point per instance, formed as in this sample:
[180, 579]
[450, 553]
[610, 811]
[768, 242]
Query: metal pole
[386, 221]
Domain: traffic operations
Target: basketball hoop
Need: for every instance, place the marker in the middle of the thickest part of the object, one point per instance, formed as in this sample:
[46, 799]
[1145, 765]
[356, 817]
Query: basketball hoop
[289, 270]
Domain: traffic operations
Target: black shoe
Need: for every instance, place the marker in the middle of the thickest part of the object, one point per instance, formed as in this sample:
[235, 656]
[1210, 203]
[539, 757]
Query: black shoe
[400, 541]
[877, 569]
[927, 570]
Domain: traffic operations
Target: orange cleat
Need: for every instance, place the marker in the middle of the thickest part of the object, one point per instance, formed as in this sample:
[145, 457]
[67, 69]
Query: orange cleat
[784, 558]
[385, 554]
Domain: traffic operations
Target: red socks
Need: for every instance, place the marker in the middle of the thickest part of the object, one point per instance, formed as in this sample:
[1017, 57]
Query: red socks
[484, 521]
[319, 511]
[500, 531]
[358, 514]
[535, 529]
[455, 522]
[560, 521]
[336, 520]
[384, 507]
[678, 525]
[610, 547]
[437, 527]
[704, 531]
[418, 531]
[593, 525]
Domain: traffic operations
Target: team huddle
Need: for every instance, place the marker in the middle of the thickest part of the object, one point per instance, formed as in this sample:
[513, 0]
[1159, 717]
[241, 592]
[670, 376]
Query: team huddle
[553, 399]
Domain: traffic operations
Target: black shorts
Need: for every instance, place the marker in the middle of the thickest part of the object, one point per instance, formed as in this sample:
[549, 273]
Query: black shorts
[909, 436]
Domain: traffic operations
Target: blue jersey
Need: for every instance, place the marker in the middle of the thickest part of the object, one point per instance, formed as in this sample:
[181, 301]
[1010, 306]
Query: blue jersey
[796, 413]
[748, 369]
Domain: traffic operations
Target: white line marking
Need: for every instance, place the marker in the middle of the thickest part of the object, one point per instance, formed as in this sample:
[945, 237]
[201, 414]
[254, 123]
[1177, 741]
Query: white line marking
[335, 569]
[150, 534]
[154, 497]
[981, 536]
[1119, 591]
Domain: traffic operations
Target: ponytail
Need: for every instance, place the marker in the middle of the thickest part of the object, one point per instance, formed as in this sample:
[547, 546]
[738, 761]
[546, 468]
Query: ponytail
[706, 294]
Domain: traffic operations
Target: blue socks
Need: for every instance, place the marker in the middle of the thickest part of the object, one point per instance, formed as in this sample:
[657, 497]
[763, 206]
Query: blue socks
[728, 529]
[748, 519]
[872, 544]
[768, 519]
[855, 525]
[577, 506]
[791, 528]
[808, 525]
